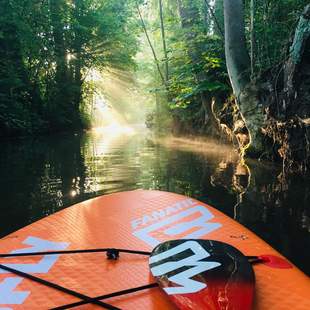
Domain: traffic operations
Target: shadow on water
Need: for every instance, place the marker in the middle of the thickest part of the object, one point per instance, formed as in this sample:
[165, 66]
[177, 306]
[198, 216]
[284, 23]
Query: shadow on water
[42, 176]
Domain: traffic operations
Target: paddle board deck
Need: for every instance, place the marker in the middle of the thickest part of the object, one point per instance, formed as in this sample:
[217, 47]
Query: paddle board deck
[137, 220]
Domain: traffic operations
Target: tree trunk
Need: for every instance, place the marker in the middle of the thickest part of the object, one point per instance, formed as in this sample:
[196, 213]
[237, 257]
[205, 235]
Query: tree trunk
[237, 58]
[163, 35]
[151, 46]
[298, 63]
[252, 9]
[289, 120]
[239, 68]
[56, 8]
[78, 82]
[77, 78]
[219, 16]
[189, 14]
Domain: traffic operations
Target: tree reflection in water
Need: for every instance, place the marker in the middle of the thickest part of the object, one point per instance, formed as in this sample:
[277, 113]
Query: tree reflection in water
[42, 176]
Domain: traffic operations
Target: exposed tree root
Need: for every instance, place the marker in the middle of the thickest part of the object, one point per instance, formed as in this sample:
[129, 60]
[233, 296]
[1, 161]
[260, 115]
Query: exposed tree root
[292, 138]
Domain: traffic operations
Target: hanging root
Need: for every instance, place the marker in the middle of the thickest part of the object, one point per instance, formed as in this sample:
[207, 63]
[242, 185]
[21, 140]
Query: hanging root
[293, 143]
[233, 125]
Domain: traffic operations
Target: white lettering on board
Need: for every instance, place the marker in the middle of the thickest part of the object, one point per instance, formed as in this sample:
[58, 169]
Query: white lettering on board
[187, 285]
[7, 294]
[38, 245]
[200, 224]
[159, 214]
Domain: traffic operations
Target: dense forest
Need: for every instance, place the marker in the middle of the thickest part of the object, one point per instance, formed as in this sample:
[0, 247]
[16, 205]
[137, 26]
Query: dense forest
[46, 51]
[231, 69]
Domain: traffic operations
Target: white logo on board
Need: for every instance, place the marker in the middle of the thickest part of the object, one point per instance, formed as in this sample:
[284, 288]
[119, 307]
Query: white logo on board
[187, 285]
[8, 295]
[171, 226]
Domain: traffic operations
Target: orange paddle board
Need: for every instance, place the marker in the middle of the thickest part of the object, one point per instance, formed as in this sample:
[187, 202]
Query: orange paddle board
[137, 220]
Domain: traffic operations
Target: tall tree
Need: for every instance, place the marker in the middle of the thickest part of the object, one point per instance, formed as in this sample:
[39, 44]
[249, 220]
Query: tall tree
[252, 40]
[189, 13]
[237, 58]
[58, 22]
[163, 35]
[219, 17]
[156, 60]
[239, 70]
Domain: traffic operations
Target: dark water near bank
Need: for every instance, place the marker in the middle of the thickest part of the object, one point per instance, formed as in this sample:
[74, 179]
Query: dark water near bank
[41, 176]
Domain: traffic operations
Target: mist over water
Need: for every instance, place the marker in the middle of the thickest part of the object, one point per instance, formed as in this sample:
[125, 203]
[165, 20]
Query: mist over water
[44, 175]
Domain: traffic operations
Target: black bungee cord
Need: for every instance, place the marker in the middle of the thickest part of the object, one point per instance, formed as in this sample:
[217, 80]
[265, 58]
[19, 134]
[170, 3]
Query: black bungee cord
[112, 254]
[116, 294]
[58, 287]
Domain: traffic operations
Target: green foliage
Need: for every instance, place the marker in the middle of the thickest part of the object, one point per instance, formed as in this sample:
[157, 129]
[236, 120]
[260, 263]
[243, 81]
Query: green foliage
[274, 27]
[48, 47]
[46, 50]
[195, 42]
[196, 59]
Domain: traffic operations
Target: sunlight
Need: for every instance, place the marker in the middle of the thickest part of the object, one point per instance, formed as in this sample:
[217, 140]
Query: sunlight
[73, 193]
[107, 137]
[70, 57]
[115, 129]
[93, 76]
[116, 92]
[108, 111]
[108, 121]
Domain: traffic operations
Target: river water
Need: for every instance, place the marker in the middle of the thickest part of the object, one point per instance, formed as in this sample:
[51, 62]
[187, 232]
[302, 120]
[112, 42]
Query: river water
[43, 175]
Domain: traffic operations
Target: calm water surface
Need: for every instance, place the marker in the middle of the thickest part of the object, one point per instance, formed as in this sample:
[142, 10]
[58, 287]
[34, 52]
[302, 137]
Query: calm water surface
[42, 176]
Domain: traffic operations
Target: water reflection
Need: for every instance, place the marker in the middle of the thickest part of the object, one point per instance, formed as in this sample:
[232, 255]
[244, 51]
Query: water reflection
[234, 176]
[42, 176]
